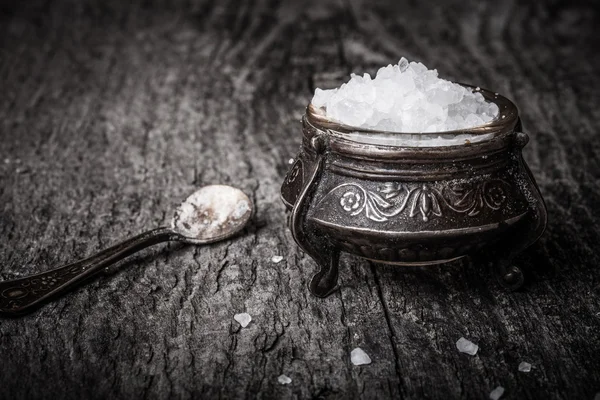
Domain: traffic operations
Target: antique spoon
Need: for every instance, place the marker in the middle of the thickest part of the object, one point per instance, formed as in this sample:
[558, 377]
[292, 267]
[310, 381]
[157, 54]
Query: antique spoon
[210, 214]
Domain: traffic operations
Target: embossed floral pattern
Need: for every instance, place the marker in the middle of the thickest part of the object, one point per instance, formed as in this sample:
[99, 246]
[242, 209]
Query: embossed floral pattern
[350, 201]
[424, 200]
[24, 290]
[495, 195]
[472, 199]
[391, 189]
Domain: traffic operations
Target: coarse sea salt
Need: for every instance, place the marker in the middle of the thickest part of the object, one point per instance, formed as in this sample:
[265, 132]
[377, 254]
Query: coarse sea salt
[524, 367]
[206, 211]
[406, 97]
[277, 259]
[243, 319]
[497, 393]
[284, 379]
[466, 346]
[359, 357]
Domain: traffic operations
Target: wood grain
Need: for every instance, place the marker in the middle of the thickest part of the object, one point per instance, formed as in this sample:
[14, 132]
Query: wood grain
[112, 112]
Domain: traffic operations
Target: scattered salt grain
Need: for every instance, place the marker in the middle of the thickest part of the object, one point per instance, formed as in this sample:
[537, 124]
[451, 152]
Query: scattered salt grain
[405, 98]
[466, 346]
[291, 161]
[497, 393]
[243, 319]
[524, 367]
[359, 357]
[277, 259]
[284, 379]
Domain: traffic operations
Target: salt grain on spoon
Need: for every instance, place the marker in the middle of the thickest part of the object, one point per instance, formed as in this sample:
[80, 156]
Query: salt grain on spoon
[211, 212]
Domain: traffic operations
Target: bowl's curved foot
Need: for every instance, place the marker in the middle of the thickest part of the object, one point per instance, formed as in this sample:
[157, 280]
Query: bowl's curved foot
[324, 282]
[509, 275]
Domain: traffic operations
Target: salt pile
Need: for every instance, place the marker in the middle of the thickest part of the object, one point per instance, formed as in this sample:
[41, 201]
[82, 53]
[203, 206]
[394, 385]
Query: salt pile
[466, 346]
[497, 393]
[243, 319]
[284, 379]
[405, 98]
[525, 367]
[359, 357]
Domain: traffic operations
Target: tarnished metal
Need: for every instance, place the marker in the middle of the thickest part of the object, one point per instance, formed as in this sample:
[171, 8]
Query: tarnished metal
[413, 205]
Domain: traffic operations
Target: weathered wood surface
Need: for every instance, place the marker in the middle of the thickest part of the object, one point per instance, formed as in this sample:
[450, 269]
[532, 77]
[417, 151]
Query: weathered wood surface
[111, 112]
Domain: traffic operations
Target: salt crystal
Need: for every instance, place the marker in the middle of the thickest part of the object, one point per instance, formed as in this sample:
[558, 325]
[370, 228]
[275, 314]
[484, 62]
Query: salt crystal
[405, 98]
[277, 259]
[497, 393]
[243, 319]
[385, 72]
[524, 367]
[403, 64]
[359, 357]
[284, 379]
[322, 97]
[241, 208]
[291, 161]
[465, 346]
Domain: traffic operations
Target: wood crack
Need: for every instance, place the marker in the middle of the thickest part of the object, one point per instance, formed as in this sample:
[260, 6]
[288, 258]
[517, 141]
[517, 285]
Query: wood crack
[390, 326]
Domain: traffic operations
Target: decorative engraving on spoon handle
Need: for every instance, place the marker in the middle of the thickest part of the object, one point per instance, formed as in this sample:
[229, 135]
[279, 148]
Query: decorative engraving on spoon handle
[24, 294]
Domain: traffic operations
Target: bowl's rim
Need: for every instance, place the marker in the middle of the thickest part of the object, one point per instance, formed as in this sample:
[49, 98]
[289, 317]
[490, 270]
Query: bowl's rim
[505, 122]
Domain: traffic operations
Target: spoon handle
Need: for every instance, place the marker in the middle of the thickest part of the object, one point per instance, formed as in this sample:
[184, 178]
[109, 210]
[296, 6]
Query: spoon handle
[24, 294]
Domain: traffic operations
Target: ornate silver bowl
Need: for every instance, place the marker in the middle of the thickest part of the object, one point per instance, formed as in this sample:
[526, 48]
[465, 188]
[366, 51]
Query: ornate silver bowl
[361, 192]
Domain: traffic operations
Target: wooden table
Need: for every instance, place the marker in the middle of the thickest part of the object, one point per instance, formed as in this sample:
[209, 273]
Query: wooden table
[112, 112]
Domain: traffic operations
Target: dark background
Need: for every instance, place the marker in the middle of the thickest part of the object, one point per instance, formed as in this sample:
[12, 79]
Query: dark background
[112, 112]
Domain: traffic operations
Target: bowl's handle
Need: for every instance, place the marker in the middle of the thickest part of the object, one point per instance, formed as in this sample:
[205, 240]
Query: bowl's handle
[317, 247]
[509, 275]
[538, 203]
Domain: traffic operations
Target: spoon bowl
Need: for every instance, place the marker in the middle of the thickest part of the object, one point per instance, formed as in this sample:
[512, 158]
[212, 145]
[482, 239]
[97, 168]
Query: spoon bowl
[212, 213]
